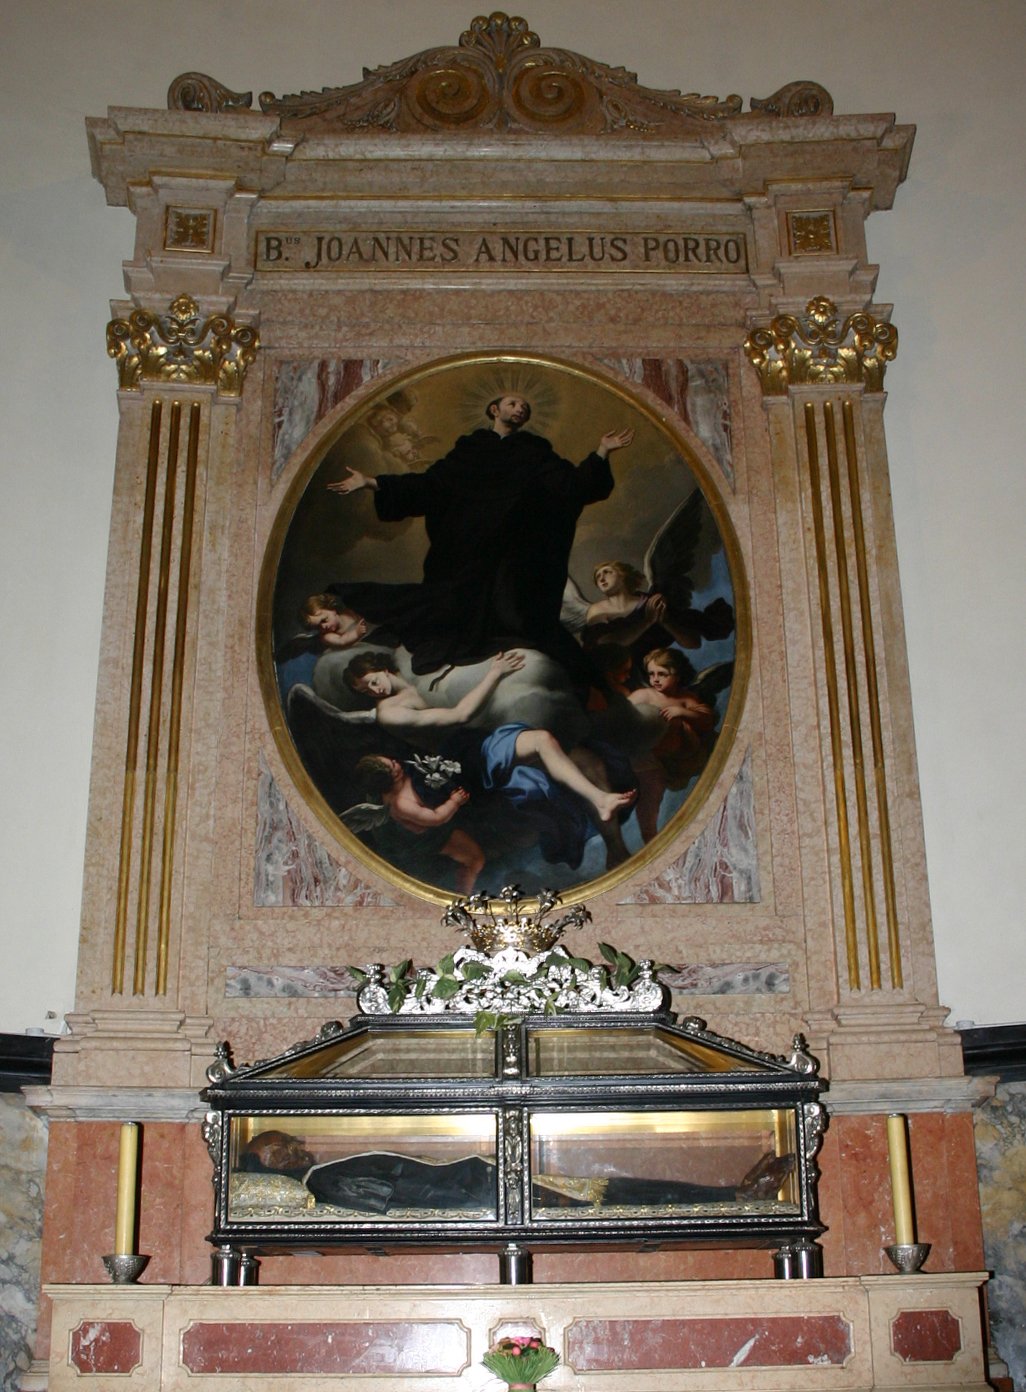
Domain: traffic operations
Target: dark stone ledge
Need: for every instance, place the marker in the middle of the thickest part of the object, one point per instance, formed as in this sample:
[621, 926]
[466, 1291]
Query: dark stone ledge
[25, 1059]
[999, 1049]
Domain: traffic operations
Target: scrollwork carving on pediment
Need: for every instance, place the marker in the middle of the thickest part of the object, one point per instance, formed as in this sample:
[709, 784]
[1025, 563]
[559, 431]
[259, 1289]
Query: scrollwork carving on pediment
[498, 78]
[796, 99]
[820, 348]
[195, 91]
[182, 347]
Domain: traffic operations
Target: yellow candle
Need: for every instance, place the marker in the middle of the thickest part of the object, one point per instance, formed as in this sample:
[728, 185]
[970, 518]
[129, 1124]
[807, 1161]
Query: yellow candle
[901, 1180]
[128, 1173]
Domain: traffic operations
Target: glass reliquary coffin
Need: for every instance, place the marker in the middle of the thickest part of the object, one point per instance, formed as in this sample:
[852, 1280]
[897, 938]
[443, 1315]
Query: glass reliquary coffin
[420, 1129]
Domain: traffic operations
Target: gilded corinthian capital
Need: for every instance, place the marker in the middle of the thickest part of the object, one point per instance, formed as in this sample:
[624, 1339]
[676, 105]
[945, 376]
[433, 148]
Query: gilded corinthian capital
[181, 347]
[819, 349]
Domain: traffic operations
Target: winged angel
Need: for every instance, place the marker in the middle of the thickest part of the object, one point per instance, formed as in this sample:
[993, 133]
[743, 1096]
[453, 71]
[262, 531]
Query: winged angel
[640, 610]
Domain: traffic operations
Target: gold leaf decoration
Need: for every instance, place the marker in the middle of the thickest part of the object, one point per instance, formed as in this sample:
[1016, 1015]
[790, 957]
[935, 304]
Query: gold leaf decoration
[181, 347]
[820, 349]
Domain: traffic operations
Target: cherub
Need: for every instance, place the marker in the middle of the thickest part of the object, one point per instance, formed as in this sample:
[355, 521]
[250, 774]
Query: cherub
[389, 783]
[391, 424]
[683, 750]
[336, 625]
[404, 447]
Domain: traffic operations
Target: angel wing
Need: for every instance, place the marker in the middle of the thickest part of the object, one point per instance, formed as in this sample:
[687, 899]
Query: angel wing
[679, 548]
[330, 742]
[306, 694]
[306, 640]
[670, 558]
[364, 816]
[573, 614]
[712, 680]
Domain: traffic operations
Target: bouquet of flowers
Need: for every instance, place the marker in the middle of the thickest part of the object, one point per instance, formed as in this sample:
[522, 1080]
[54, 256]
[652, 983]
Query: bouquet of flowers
[521, 1360]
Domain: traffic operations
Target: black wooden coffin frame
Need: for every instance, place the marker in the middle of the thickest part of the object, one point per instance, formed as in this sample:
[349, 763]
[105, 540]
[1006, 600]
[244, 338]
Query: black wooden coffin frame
[275, 1090]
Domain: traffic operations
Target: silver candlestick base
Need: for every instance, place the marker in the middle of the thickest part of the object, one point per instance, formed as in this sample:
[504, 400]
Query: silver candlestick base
[124, 1268]
[908, 1257]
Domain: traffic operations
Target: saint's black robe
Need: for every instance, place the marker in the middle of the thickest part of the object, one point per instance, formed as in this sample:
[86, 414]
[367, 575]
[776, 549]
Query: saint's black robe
[500, 514]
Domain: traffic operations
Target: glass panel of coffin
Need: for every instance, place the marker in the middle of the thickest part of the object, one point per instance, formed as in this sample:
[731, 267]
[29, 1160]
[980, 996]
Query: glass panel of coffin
[586, 1166]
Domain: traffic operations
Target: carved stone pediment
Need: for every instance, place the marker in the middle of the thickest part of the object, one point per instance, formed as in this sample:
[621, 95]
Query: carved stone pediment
[498, 78]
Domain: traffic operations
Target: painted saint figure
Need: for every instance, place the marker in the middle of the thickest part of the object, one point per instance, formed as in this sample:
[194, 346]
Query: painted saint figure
[500, 512]
[444, 566]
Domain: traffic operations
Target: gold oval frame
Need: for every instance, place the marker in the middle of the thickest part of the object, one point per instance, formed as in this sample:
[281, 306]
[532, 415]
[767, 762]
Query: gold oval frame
[327, 433]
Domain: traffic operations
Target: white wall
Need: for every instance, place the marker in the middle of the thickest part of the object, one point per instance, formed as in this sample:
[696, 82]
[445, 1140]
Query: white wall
[952, 266]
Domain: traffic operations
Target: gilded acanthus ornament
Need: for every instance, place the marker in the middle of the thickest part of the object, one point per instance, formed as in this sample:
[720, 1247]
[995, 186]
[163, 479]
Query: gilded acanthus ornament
[181, 347]
[499, 78]
[820, 349]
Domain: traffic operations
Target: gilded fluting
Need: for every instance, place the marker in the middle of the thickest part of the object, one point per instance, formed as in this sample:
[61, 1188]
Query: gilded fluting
[175, 717]
[820, 349]
[851, 676]
[181, 347]
[873, 699]
[135, 702]
[833, 703]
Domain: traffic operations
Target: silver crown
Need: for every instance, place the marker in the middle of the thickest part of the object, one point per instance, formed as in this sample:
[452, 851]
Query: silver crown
[494, 924]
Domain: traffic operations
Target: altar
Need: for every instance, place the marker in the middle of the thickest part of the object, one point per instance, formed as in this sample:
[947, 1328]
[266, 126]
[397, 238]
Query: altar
[858, 1332]
[502, 504]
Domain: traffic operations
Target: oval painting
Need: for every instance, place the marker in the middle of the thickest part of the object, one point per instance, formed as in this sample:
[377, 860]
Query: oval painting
[499, 626]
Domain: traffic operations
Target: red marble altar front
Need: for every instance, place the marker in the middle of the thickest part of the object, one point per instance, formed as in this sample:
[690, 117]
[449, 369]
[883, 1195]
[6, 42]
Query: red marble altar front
[874, 1332]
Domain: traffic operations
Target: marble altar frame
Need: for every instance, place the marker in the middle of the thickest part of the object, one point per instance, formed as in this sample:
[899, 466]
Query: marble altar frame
[216, 904]
[730, 241]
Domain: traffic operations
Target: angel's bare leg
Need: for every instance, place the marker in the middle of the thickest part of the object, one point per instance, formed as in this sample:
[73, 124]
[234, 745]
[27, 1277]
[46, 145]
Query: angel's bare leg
[540, 745]
[651, 786]
[468, 855]
[611, 832]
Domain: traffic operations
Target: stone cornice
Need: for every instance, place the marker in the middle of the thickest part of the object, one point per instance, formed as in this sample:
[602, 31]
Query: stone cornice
[115, 1104]
[857, 1097]
[741, 157]
[498, 101]
[849, 1098]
